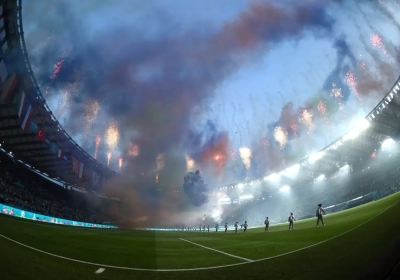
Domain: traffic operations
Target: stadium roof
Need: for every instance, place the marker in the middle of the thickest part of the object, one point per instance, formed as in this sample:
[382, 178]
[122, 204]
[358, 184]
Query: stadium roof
[28, 127]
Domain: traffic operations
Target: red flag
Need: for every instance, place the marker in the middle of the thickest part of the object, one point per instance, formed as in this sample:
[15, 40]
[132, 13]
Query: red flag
[41, 134]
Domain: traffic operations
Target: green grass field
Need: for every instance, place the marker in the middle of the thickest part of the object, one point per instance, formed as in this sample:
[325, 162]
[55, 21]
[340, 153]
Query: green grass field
[349, 243]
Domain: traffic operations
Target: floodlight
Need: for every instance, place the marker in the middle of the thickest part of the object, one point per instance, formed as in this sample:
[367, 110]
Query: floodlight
[387, 143]
[363, 124]
[321, 177]
[240, 186]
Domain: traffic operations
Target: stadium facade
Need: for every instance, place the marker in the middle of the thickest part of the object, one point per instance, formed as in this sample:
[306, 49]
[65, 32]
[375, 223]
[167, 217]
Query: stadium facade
[28, 128]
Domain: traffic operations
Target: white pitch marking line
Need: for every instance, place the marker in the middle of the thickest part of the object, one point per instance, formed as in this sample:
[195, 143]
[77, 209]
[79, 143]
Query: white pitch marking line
[233, 256]
[100, 270]
[189, 269]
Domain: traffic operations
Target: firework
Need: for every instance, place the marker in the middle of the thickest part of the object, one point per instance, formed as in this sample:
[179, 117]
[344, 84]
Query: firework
[120, 161]
[233, 154]
[189, 163]
[64, 103]
[265, 143]
[133, 150]
[56, 70]
[293, 127]
[352, 83]
[322, 107]
[112, 138]
[97, 142]
[306, 118]
[108, 158]
[377, 42]
[245, 154]
[281, 136]
[92, 108]
[160, 162]
[336, 93]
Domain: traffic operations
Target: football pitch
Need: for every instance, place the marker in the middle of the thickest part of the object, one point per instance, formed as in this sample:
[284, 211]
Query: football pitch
[349, 243]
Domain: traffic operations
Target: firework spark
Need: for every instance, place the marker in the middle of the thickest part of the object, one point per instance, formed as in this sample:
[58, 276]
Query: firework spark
[245, 154]
[64, 103]
[306, 118]
[160, 162]
[336, 93]
[112, 138]
[97, 142]
[56, 70]
[281, 136]
[91, 108]
[189, 163]
[322, 107]
[265, 143]
[293, 127]
[377, 42]
[133, 150]
[352, 83]
[233, 154]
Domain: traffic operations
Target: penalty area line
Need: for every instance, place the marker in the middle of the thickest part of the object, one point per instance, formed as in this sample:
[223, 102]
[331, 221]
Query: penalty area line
[218, 251]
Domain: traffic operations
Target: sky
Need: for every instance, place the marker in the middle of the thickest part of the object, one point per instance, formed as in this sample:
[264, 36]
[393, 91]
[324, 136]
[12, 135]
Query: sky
[236, 89]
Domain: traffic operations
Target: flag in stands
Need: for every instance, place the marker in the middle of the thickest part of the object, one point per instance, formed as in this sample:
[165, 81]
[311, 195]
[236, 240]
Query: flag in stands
[9, 89]
[77, 167]
[22, 104]
[33, 127]
[26, 117]
[40, 134]
[60, 153]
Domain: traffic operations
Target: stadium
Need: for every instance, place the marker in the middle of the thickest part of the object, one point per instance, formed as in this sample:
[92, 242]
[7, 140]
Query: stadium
[59, 221]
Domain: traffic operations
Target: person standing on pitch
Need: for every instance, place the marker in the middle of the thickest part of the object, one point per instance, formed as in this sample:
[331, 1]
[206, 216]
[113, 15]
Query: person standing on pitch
[216, 227]
[226, 227]
[236, 226]
[319, 214]
[245, 226]
[266, 224]
[291, 220]
[208, 228]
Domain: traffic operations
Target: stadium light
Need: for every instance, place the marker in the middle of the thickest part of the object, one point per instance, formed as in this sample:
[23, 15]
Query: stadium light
[363, 124]
[315, 157]
[387, 143]
[273, 177]
[224, 199]
[240, 186]
[321, 177]
[284, 189]
[247, 196]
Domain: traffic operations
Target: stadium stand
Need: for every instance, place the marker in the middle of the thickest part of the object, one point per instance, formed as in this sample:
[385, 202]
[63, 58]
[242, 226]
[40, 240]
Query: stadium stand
[22, 188]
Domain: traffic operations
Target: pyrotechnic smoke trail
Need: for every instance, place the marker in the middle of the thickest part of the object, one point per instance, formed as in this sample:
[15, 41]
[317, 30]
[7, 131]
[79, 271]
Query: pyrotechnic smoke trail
[112, 138]
[245, 154]
[108, 158]
[306, 118]
[280, 135]
[377, 42]
[120, 161]
[97, 142]
[56, 70]
[160, 162]
[189, 163]
[336, 93]
[64, 102]
[92, 109]
[352, 83]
